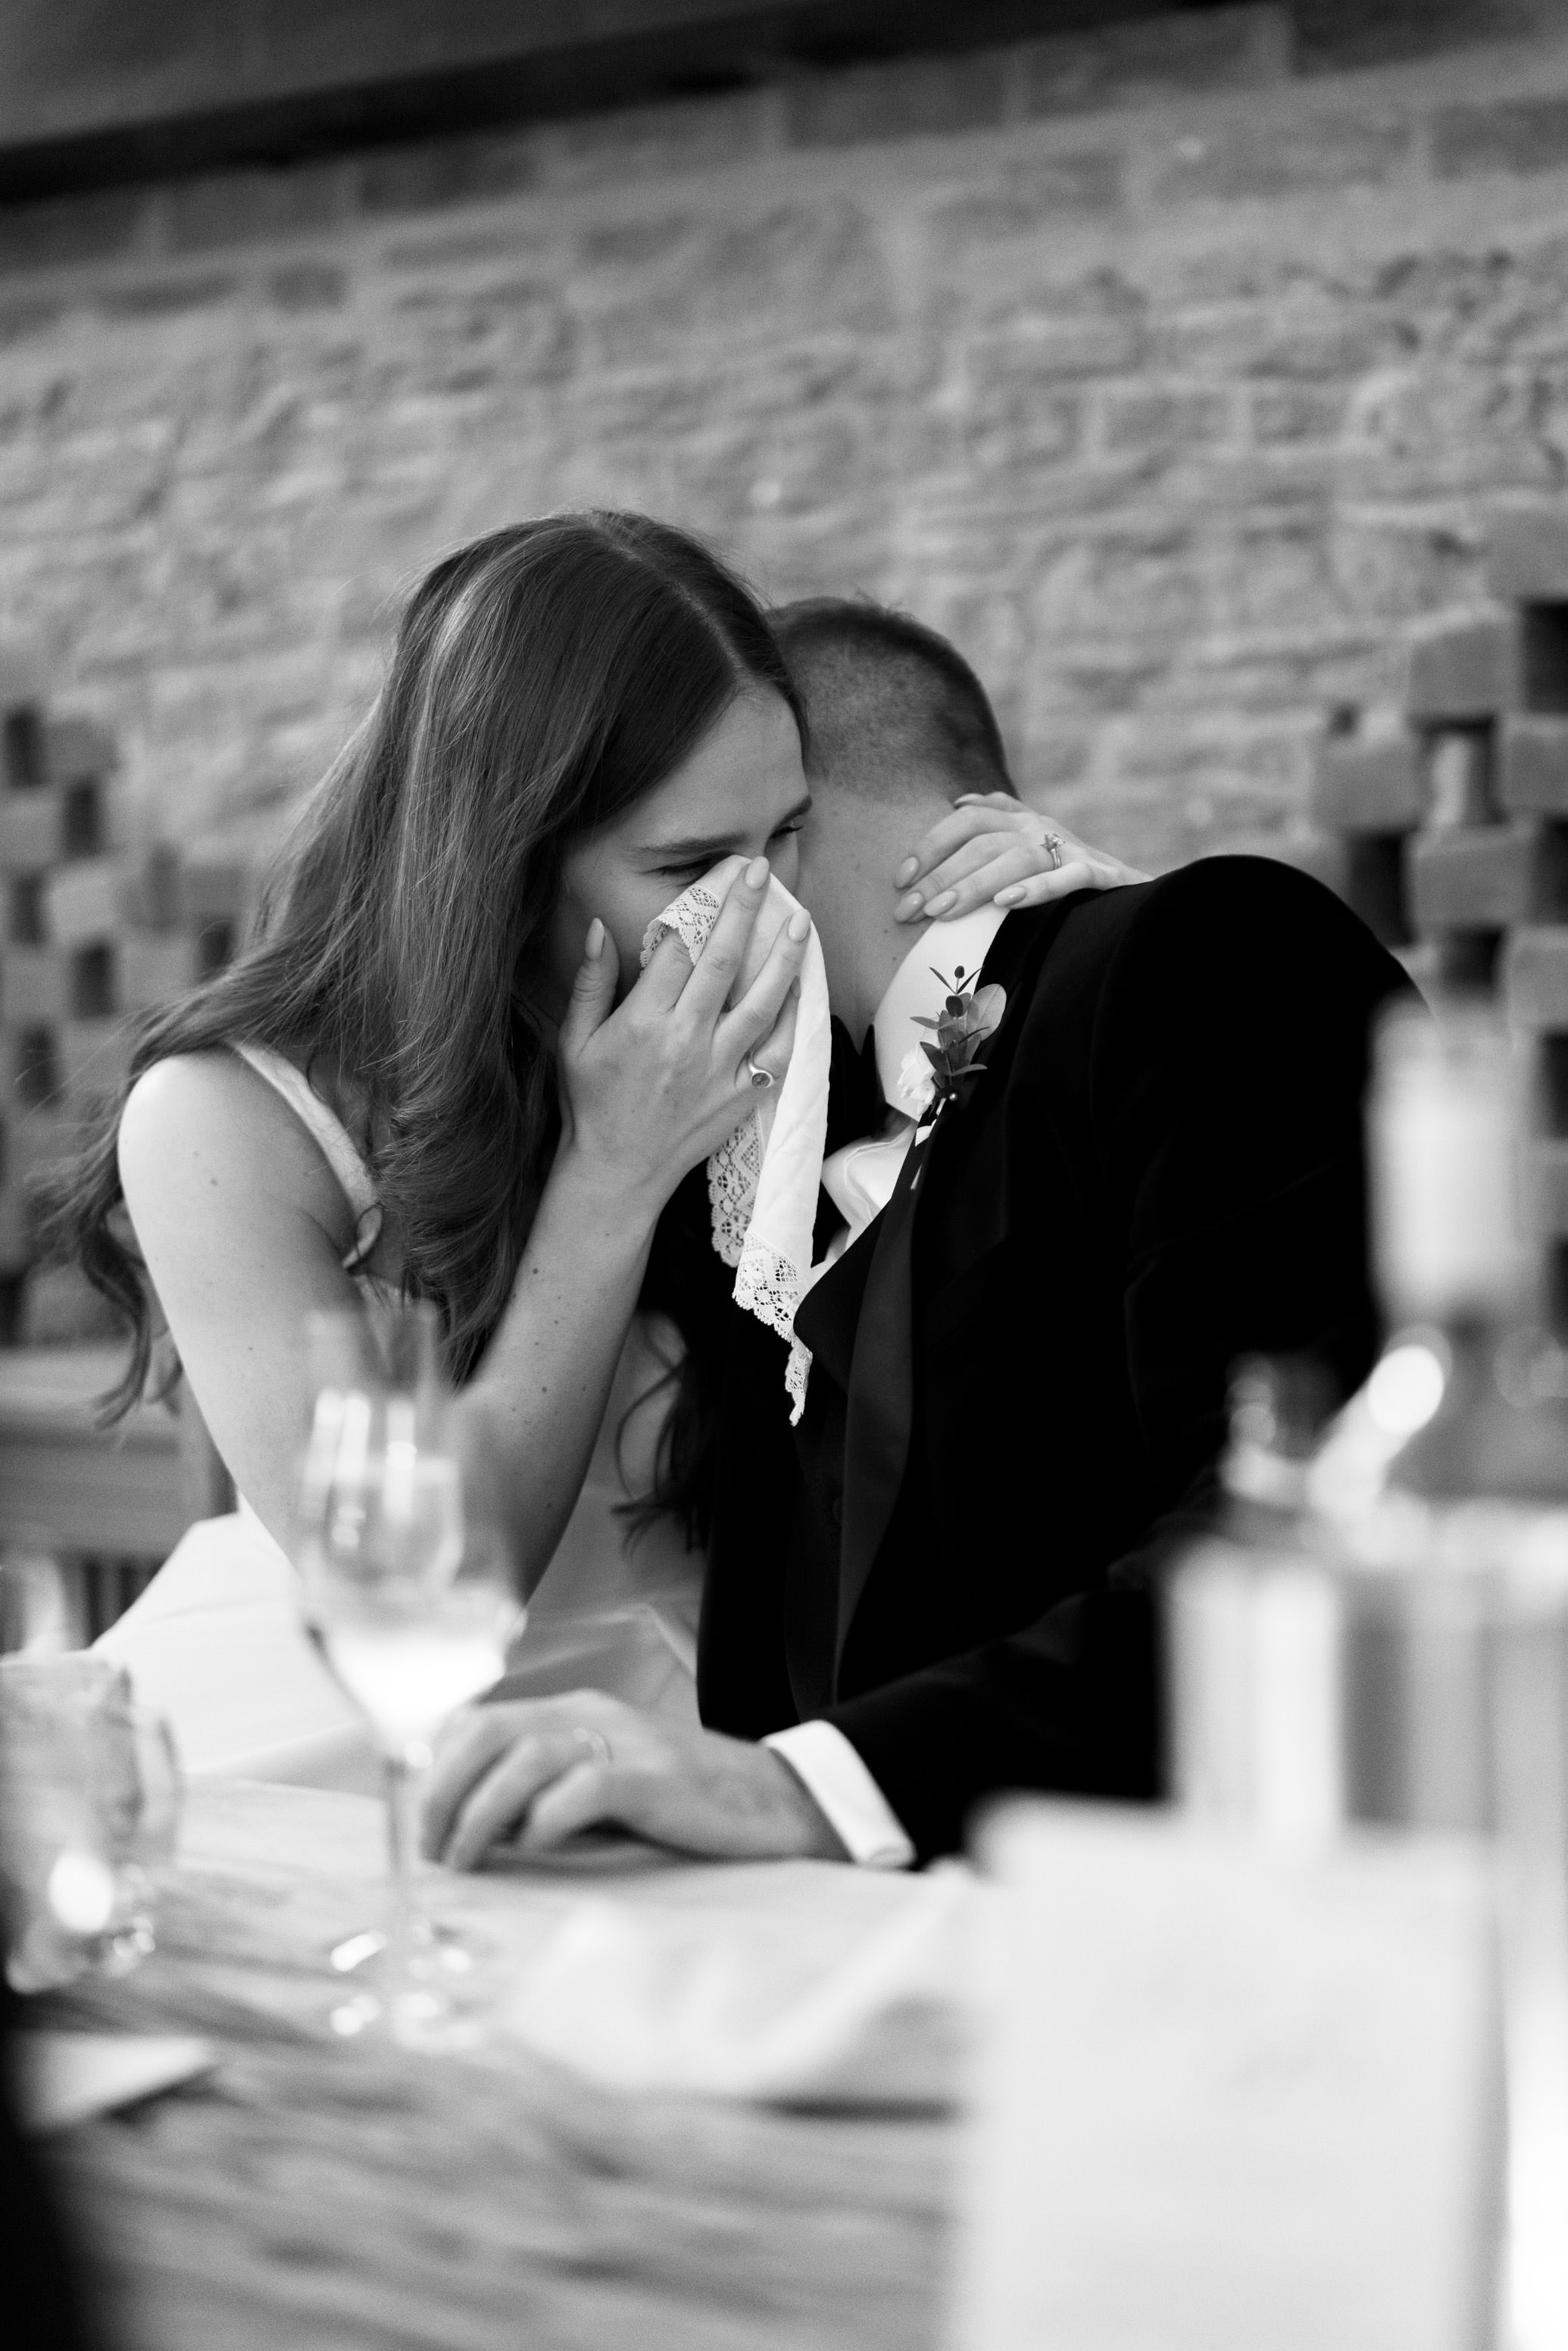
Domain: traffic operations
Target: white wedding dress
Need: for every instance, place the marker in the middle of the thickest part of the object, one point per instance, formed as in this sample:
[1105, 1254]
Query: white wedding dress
[215, 1643]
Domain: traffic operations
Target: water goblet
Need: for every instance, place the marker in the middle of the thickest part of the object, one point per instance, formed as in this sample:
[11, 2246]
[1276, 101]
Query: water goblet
[92, 1792]
[413, 1610]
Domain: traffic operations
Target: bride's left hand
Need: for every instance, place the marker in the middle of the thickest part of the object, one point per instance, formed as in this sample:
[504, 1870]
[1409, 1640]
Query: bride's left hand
[530, 1772]
[994, 850]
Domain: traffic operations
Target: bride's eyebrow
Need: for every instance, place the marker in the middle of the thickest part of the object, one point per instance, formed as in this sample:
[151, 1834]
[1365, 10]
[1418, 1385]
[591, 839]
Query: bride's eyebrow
[711, 846]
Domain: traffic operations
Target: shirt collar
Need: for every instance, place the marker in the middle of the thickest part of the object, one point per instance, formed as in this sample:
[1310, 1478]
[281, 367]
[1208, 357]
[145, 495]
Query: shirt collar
[914, 987]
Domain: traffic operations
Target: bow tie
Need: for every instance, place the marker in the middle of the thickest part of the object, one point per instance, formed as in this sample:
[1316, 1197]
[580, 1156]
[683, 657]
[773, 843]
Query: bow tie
[856, 1106]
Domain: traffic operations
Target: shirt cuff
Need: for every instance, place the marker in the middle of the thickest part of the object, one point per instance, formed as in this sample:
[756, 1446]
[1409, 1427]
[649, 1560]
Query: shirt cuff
[833, 1775]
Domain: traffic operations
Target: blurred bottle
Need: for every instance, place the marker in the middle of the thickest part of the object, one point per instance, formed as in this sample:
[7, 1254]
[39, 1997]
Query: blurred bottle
[1459, 1443]
[1457, 1271]
[1446, 1489]
[1334, 1648]
[1253, 1627]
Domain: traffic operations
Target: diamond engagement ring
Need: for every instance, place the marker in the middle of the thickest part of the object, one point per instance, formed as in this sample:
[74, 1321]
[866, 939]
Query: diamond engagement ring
[1053, 842]
[595, 1741]
[759, 1077]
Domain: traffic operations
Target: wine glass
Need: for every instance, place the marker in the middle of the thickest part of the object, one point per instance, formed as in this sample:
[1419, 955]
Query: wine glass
[92, 1795]
[413, 1610]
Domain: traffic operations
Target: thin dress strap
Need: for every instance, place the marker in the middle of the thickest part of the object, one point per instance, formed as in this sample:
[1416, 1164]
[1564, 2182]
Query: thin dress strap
[338, 1146]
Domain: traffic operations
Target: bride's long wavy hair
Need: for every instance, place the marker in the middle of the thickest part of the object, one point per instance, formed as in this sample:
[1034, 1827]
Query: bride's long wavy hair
[544, 678]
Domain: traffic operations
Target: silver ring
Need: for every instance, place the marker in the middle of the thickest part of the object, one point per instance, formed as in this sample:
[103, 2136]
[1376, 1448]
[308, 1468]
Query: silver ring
[1053, 842]
[759, 1077]
[595, 1741]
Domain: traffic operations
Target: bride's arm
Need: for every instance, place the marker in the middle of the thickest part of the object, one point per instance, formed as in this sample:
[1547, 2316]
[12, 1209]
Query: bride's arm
[243, 1226]
[528, 1420]
[993, 850]
[648, 1091]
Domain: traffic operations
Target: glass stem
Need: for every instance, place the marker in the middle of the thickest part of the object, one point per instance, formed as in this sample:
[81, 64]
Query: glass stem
[404, 1779]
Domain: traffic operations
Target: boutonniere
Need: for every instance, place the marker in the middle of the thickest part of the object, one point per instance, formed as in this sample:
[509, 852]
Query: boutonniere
[931, 1074]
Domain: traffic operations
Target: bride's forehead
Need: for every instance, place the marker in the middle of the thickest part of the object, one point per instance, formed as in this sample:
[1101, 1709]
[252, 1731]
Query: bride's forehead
[745, 768]
[755, 737]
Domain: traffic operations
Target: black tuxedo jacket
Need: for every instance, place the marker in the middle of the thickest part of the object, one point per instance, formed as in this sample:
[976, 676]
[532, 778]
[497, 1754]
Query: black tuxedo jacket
[1018, 1391]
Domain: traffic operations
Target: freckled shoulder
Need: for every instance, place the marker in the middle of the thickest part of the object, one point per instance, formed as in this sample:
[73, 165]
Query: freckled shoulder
[200, 1124]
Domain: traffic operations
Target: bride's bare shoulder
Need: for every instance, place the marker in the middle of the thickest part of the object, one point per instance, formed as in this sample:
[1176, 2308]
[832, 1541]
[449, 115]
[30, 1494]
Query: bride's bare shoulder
[212, 1091]
[208, 1117]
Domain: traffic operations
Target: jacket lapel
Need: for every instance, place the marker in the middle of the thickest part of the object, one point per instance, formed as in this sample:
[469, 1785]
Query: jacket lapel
[827, 1317]
[881, 1394]
[862, 1324]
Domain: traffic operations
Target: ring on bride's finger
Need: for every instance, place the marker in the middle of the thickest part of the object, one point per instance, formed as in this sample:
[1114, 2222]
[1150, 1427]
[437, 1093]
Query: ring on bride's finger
[759, 1076]
[595, 1741]
[1053, 842]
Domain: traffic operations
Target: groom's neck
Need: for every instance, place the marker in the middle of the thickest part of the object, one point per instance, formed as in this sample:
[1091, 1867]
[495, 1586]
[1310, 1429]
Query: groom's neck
[861, 941]
[881, 949]
[849, 889]
[854, 840]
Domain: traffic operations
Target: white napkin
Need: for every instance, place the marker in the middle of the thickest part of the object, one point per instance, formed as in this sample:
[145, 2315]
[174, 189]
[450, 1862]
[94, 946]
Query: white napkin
[763, 1182]
[661, 2000]
[64, 2077]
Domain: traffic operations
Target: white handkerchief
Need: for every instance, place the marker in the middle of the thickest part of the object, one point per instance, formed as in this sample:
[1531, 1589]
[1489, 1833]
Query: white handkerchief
[662, 1998]
[763, 1183]
[64, 2077]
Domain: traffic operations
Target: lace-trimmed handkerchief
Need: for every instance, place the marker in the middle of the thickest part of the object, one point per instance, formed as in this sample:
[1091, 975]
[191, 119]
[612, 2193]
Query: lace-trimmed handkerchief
[762, 1184]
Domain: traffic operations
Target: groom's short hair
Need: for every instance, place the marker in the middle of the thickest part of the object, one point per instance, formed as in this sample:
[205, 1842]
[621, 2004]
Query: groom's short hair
[888, 700]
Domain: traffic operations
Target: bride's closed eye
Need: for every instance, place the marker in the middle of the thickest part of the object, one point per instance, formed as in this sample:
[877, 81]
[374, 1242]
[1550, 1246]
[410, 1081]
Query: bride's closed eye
[693, 869]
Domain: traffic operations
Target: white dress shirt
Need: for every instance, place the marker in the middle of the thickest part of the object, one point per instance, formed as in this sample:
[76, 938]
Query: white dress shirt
[860, 1181]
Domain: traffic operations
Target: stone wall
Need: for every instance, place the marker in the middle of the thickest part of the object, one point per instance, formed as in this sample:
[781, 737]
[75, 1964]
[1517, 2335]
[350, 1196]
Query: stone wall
[1172, 370]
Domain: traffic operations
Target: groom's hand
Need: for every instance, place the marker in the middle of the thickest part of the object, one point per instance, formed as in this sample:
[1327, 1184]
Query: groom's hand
[534, 1772]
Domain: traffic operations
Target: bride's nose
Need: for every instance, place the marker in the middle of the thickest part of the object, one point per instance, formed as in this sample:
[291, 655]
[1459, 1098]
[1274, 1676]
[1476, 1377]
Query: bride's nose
[784, 856]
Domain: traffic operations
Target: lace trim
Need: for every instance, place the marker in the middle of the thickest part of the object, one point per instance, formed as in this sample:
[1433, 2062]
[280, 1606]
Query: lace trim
[733, 1172]
[797, 1371]
[735, 1169]
[768, 1286]
[766, 1283]
[692, 918]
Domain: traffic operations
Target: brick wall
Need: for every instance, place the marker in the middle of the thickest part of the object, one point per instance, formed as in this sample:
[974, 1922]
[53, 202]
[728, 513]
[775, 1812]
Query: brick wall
[1171, 370]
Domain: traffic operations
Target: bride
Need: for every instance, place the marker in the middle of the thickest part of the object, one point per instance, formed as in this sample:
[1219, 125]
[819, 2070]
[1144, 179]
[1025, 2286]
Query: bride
[437, 1071]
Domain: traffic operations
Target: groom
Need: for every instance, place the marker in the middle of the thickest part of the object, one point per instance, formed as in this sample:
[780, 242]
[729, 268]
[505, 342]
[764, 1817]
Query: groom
[942, 1586]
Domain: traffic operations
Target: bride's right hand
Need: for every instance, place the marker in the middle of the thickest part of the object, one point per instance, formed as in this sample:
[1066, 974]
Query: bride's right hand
[651, 1087]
